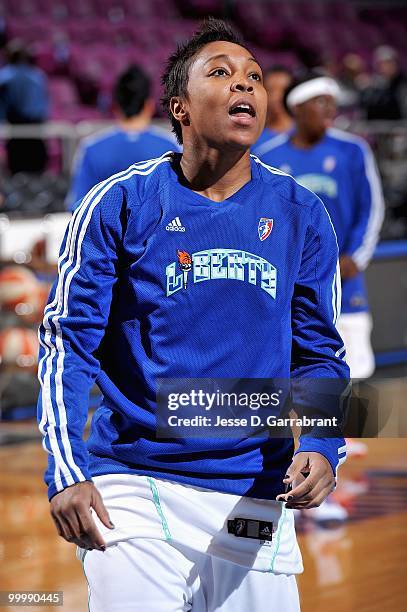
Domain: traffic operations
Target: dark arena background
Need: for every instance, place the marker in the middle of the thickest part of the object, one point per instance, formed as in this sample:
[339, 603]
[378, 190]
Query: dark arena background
[355, 550]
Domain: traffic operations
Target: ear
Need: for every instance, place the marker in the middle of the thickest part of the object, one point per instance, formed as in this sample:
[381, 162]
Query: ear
[117, 111]
[149, 107]
[179, 110]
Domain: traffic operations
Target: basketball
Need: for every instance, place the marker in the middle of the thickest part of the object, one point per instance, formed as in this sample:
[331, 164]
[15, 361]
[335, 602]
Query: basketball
[18, 347]
[22, 294]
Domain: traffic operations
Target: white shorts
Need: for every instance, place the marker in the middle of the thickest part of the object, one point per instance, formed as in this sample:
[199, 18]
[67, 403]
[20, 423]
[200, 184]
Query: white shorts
[355, 329]
[170, 551]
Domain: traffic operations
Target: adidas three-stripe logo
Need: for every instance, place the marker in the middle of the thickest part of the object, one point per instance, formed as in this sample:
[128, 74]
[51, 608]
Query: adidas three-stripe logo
[175, 226]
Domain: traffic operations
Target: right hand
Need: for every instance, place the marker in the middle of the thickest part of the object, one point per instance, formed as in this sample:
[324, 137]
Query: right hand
[348, 267]
[71, 512]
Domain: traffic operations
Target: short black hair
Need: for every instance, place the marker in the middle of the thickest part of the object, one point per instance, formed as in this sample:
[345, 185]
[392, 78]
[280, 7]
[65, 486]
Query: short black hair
[175, 77]
[131, 91]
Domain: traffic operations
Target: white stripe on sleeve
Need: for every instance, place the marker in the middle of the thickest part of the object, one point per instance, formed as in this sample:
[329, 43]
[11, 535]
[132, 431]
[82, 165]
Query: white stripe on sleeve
[59, 308]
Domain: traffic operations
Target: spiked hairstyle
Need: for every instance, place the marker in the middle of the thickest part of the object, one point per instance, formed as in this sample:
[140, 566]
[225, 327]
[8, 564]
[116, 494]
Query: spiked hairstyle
[175, 77]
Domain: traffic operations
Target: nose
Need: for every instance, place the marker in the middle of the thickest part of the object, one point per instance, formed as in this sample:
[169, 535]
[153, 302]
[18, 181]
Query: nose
[242, 84]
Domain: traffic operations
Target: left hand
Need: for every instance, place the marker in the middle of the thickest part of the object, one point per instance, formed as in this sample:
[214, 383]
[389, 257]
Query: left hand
[312, 480]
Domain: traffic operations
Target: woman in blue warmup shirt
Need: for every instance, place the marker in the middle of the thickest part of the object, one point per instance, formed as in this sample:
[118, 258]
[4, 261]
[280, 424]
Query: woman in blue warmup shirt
[202, 265]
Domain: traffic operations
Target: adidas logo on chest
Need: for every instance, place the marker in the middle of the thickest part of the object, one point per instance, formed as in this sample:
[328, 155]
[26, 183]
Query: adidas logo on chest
[175, 226]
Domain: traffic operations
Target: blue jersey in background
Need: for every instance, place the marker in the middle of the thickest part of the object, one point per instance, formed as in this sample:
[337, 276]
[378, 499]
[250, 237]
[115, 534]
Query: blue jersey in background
[23, 94]
[102, 155]
[265, 136]
[341, 170]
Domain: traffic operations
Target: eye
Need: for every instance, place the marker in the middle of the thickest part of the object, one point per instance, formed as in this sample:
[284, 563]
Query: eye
[255, 76]
[219, 72]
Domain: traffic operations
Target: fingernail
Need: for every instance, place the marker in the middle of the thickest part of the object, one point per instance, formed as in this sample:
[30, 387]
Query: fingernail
[111, 524]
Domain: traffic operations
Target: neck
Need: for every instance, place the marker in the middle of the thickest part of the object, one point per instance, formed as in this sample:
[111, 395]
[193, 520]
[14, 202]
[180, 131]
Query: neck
[305, 139]
[279, 123]
[213, 173]
[134, 124]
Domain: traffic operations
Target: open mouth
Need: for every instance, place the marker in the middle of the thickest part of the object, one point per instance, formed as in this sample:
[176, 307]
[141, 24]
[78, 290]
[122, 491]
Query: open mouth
[242, 109]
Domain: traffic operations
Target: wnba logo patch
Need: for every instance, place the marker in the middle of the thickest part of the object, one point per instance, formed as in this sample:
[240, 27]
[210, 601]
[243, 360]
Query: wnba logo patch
[264, 228]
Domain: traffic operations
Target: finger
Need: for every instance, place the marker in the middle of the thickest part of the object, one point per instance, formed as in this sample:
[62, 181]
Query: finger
[313, 490]
[312, 503]
[58, 526]
[286, 496]
[65, 528]
[89, 530]
[290, 500]
[299, 464]
[303, 503]
[84, 542]
[317, 473]
[293, 475]
[100, 509]
[71, 519]
[299, 479]
[322, 488]
[83, 537]
[315, 502]
[320, 498]
[304, 490]
[297, 506]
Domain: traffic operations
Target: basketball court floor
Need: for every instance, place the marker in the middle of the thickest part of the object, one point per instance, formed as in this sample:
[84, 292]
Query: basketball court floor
[358, 565]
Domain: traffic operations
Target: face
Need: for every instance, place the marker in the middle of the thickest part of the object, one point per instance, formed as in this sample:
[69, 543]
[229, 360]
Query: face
[226, 101]
[276, 83]
[387, 68]
[317, 114]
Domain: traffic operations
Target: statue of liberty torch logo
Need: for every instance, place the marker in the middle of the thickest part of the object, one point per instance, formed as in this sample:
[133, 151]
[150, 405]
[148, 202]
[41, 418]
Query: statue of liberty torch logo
[185, 263]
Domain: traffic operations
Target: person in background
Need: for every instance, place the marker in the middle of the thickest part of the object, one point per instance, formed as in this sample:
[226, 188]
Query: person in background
[353, 79]
[3, 27]
[276, 81]
[339, 167]
[133, 139]
[386, 98]
[23, 100]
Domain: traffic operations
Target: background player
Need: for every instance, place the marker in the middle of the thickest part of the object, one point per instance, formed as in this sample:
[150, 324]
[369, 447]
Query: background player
[341, 170]
[277, 79]
[123, 313]
[133, 140]
[23, 100]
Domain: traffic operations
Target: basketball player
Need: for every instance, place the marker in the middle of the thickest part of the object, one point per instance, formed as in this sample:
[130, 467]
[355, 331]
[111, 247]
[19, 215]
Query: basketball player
[339, 167]
[277, 79]
[133, 139]
[205, 264]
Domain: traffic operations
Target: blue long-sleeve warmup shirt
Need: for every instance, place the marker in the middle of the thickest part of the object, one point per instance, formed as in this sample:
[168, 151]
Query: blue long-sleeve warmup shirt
[341, 170]
[261, 300]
